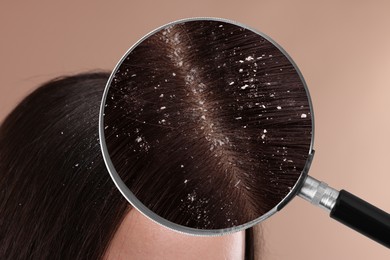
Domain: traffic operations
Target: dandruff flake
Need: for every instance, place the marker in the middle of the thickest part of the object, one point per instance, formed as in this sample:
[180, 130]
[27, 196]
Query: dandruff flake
[249, 58]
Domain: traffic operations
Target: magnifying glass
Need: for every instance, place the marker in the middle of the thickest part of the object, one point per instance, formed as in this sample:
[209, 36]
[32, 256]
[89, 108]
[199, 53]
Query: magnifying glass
[207, 127]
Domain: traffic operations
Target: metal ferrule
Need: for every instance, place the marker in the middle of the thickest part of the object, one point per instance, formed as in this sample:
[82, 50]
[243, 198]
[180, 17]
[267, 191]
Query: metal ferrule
[318, 193]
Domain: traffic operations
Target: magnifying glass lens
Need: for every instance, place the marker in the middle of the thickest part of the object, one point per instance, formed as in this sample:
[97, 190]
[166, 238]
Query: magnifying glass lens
[206, 126]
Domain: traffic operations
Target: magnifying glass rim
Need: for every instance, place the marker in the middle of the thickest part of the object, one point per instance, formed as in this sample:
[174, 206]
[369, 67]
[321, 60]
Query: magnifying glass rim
[132, 199]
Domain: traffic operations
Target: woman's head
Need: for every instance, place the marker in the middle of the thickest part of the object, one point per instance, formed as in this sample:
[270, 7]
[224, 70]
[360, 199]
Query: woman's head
[57, 200]
[54, 188]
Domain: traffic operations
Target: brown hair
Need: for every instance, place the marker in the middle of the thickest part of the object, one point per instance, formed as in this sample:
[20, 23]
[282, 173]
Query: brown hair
[57, 200]
[208, 124]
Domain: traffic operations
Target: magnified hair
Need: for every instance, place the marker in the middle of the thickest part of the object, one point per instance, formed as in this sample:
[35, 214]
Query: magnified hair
[208, 124]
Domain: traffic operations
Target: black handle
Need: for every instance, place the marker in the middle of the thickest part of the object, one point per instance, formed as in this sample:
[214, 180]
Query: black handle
[363, 217]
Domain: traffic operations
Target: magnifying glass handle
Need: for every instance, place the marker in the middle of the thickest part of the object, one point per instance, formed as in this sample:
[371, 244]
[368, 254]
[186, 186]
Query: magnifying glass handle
[363, 217]
[349, 210]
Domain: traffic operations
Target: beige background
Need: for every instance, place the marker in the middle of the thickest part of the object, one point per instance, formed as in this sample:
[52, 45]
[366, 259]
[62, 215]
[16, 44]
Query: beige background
[342, 49]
